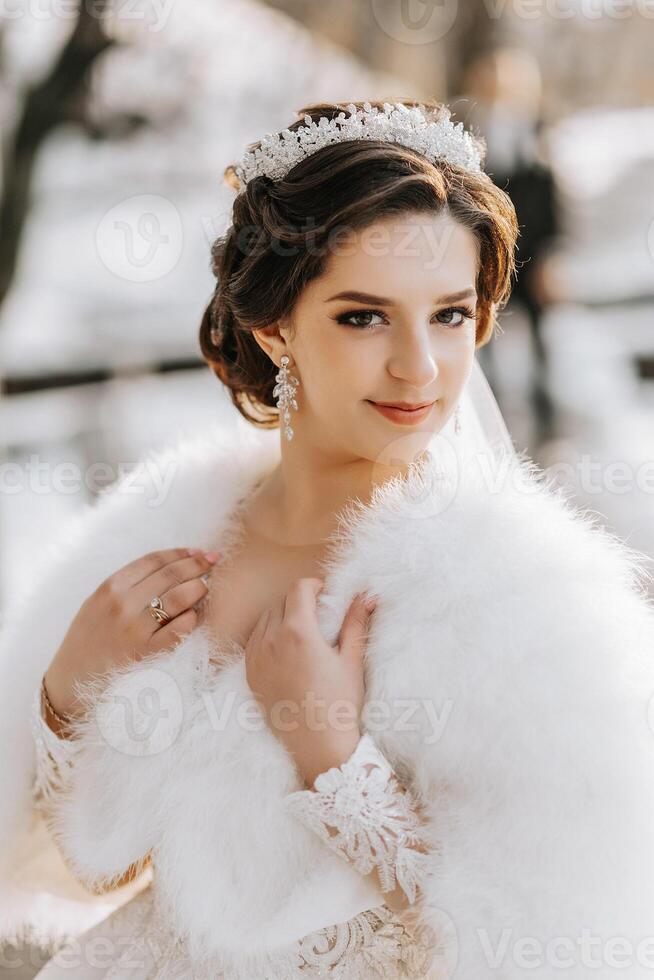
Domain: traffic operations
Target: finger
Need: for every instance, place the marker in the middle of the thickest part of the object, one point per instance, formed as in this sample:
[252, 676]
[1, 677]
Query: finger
[271, 619]
[277, 612]
[258, 631]
[170, 634]
[353, 635]
[136, 571]
[302, 597]
[176, 602]
[164, 579]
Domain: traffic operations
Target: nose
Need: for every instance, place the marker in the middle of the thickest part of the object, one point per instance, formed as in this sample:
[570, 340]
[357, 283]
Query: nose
[412, 360]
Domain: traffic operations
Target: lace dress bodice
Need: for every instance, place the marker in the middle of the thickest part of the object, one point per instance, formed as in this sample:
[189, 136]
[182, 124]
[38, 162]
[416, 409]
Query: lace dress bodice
[360, 810]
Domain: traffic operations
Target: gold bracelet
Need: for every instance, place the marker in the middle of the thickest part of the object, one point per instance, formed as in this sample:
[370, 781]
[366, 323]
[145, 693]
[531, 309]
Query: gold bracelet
[48, 703]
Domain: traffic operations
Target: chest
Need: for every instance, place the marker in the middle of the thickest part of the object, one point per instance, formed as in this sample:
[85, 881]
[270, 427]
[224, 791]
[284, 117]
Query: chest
[253, 576]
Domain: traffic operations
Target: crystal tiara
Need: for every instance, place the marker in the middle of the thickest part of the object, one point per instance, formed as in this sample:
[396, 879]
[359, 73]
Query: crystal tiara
[438, 139]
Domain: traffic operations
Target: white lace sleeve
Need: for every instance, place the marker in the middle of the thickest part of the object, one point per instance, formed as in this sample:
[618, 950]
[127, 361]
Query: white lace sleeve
[54, 757]
[374, 818]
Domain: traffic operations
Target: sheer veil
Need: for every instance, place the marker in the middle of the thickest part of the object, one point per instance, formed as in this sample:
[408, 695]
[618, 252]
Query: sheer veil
[482, 450]
[483, 431]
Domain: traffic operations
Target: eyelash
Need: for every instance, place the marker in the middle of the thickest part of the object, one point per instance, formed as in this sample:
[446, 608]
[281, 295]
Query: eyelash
[467, 312]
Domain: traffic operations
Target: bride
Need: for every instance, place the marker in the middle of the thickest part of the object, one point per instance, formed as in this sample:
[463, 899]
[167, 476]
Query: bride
[362, 695]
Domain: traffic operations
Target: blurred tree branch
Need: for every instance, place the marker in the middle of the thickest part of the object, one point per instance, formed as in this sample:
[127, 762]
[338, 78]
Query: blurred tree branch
[57, 99]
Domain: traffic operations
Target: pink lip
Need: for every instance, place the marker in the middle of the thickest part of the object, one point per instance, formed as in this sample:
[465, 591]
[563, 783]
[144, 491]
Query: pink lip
[404, 416]
[408, 406]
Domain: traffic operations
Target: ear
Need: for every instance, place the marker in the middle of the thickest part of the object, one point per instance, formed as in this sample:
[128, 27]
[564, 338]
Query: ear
[272, 341]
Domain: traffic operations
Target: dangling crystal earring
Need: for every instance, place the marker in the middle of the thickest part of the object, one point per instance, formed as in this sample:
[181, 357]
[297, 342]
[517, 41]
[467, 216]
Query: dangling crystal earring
[284, 392]
[457, 421]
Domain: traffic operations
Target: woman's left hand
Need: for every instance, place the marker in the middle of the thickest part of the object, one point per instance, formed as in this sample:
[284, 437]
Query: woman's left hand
[312, 693]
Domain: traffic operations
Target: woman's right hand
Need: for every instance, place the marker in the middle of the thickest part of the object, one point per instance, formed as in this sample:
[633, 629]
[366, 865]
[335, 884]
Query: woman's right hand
[114, 625]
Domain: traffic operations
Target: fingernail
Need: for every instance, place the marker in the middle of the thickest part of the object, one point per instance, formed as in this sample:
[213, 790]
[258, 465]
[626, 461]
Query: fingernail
[212, 555]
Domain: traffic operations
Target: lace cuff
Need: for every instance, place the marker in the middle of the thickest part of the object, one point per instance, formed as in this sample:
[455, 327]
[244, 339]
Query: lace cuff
[54, 757]
[373, 815]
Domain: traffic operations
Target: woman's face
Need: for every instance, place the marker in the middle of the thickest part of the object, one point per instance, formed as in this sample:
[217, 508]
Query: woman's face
[410, 339]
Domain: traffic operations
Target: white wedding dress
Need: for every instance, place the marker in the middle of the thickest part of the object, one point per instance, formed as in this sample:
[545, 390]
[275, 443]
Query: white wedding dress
[361, 798]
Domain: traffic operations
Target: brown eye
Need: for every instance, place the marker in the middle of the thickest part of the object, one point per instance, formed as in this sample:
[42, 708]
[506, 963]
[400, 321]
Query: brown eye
[345, 318]
[464, 312]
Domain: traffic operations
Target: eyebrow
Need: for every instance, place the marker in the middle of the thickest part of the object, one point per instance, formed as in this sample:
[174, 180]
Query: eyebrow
[358, 297]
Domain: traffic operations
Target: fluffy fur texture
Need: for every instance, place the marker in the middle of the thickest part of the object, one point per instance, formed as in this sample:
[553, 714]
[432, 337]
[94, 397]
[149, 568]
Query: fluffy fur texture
[510, 664]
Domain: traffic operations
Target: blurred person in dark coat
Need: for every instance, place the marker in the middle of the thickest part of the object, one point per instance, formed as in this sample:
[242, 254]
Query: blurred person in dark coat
[502, 101]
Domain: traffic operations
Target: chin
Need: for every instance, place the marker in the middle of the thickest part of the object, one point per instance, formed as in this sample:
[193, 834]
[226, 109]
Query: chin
[401, 450]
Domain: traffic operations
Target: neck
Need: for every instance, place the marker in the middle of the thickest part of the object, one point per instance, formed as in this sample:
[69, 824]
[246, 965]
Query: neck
[303, 494]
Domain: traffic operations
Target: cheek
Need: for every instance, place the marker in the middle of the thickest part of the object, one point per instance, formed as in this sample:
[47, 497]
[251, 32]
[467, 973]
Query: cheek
[341, 370]
[333, 372]
[455, 349]
[469, 350]
[455, 360]
[463, 350]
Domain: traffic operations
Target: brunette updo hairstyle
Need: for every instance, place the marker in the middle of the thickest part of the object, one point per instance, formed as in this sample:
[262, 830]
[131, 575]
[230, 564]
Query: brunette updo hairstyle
[279, 241]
